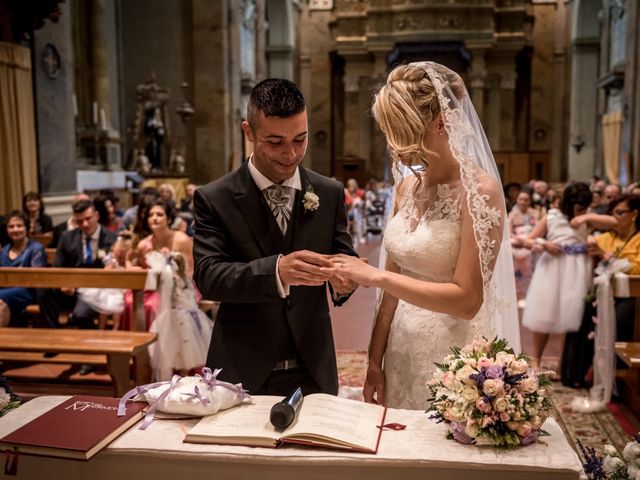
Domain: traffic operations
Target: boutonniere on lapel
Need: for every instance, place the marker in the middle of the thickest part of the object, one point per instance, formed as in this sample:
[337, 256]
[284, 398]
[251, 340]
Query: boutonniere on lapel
[100, 254]
[310, 201]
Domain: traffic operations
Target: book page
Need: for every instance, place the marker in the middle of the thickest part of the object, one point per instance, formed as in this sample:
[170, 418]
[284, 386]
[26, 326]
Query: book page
[349, 421]
[250, 420]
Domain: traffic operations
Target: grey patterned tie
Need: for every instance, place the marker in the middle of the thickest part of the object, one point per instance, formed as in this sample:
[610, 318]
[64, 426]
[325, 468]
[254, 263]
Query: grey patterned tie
[278, 198]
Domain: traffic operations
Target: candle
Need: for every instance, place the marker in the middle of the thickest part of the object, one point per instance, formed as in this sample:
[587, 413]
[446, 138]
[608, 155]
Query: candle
[95, 113]
[103, 119]
[75, 105]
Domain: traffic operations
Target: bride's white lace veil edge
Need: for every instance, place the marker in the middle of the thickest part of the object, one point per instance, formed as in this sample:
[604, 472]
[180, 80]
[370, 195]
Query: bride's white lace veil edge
[471, 148]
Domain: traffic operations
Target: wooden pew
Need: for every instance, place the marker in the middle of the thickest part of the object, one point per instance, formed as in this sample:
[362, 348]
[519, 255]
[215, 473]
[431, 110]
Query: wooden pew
[629, 353]
[82, 277]
[83, 346]
[51, 255]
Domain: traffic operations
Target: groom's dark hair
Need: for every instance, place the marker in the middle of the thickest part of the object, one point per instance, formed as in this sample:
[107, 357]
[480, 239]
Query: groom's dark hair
[275, 97]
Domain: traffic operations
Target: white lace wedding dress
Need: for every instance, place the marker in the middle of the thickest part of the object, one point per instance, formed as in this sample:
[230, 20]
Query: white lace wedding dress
[425, 246]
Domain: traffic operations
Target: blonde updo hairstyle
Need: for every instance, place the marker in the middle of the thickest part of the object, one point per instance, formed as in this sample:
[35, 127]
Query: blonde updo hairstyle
[403, 108]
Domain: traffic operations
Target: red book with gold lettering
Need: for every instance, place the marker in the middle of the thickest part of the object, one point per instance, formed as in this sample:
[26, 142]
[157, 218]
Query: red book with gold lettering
[77, 428]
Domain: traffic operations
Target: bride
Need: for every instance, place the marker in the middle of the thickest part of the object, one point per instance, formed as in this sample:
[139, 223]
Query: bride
[448, 274]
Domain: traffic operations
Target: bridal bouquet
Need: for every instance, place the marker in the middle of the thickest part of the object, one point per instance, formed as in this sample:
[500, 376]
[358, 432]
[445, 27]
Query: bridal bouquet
[613, 466]
[490, 396]
[8, 399]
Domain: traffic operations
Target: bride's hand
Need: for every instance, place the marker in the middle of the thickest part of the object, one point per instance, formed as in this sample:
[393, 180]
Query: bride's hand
[355, 269]
[374, 385]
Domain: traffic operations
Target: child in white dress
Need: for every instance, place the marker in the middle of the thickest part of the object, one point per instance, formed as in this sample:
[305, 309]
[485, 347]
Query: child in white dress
[562, 278]
[184, 331]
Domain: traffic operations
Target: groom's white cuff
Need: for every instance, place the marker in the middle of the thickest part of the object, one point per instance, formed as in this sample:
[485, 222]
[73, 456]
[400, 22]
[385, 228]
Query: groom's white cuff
[283, 289]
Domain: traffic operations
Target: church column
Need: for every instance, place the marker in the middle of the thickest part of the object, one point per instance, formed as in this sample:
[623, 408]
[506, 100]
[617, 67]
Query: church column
[211, 52]
[99, 58]
[478, 81]
[53, 65]
[378, 163]
[107, 137]
[351, 112]
[500, 115]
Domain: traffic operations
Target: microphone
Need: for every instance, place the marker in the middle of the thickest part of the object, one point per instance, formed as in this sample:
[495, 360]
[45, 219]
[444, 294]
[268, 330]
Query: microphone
[284, 412]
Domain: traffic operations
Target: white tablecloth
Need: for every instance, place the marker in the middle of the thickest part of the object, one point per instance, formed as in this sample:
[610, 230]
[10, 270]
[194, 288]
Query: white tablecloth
[420, 451]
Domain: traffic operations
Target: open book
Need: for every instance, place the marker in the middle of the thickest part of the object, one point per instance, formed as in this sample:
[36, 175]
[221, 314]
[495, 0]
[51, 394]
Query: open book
[322, 421]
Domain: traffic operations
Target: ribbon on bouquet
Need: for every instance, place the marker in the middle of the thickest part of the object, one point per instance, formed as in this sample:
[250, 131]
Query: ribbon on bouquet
[605, 335]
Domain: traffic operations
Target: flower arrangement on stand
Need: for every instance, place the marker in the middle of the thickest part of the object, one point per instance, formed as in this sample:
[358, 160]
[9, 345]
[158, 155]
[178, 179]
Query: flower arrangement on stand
[613, 466]
[489, 395]
[8, 399]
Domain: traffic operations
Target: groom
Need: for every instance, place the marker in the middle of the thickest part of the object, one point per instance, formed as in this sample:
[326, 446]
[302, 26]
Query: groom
[262, 235]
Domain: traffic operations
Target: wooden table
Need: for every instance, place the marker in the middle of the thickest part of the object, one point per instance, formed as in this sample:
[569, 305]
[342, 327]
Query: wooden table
[418, 452]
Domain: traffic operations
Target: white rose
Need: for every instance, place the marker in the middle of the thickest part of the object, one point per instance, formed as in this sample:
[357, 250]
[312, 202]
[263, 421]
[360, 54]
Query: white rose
[501, 404]
[518, 366]
[493, 386]
[610, 450]
[471, 362]
[5, 399]
[464, 373]
[631, 451]
[470, 393]
[611, 464]
[529, 385]
[504, 358]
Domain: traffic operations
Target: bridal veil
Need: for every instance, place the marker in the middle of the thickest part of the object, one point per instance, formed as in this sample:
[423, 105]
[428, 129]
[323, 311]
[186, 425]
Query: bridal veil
[478, 175]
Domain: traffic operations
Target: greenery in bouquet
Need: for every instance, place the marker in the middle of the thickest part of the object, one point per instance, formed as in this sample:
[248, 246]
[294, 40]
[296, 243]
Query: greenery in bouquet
[613, 466]
[8, 399]
[489, 395]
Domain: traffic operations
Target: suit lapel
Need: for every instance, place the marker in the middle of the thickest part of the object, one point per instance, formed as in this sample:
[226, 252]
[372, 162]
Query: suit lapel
[251, 203]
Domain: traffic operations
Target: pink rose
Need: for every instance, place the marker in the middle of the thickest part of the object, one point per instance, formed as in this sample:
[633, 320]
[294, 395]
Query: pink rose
[484, 362]
[524, 430]
[448, 379]
[482, 405]
[513, 426]
[504, 416]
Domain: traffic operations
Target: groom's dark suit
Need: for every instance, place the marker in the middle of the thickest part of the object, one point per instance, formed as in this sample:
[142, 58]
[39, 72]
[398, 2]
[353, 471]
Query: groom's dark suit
[237, 243]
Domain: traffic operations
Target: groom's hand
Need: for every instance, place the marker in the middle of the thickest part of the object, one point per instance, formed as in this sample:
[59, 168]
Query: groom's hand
[303, 268]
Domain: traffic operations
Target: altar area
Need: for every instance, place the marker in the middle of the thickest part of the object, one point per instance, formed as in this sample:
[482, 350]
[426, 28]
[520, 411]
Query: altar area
[418, 452]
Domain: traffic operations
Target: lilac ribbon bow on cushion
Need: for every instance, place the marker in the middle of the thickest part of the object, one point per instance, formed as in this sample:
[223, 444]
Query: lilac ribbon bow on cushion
[198, 395]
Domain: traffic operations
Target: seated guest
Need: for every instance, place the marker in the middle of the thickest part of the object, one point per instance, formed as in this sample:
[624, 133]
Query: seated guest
[69, 223]
[187, 202]
[131, 214]
[82, 247]
[115, 201]
[168, 193]
[623, 241]
[107, 213]
[39, 222]
[21, 251]
[159, 216]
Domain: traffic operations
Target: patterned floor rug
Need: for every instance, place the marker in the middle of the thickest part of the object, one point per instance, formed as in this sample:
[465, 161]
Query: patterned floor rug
[613, 426]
